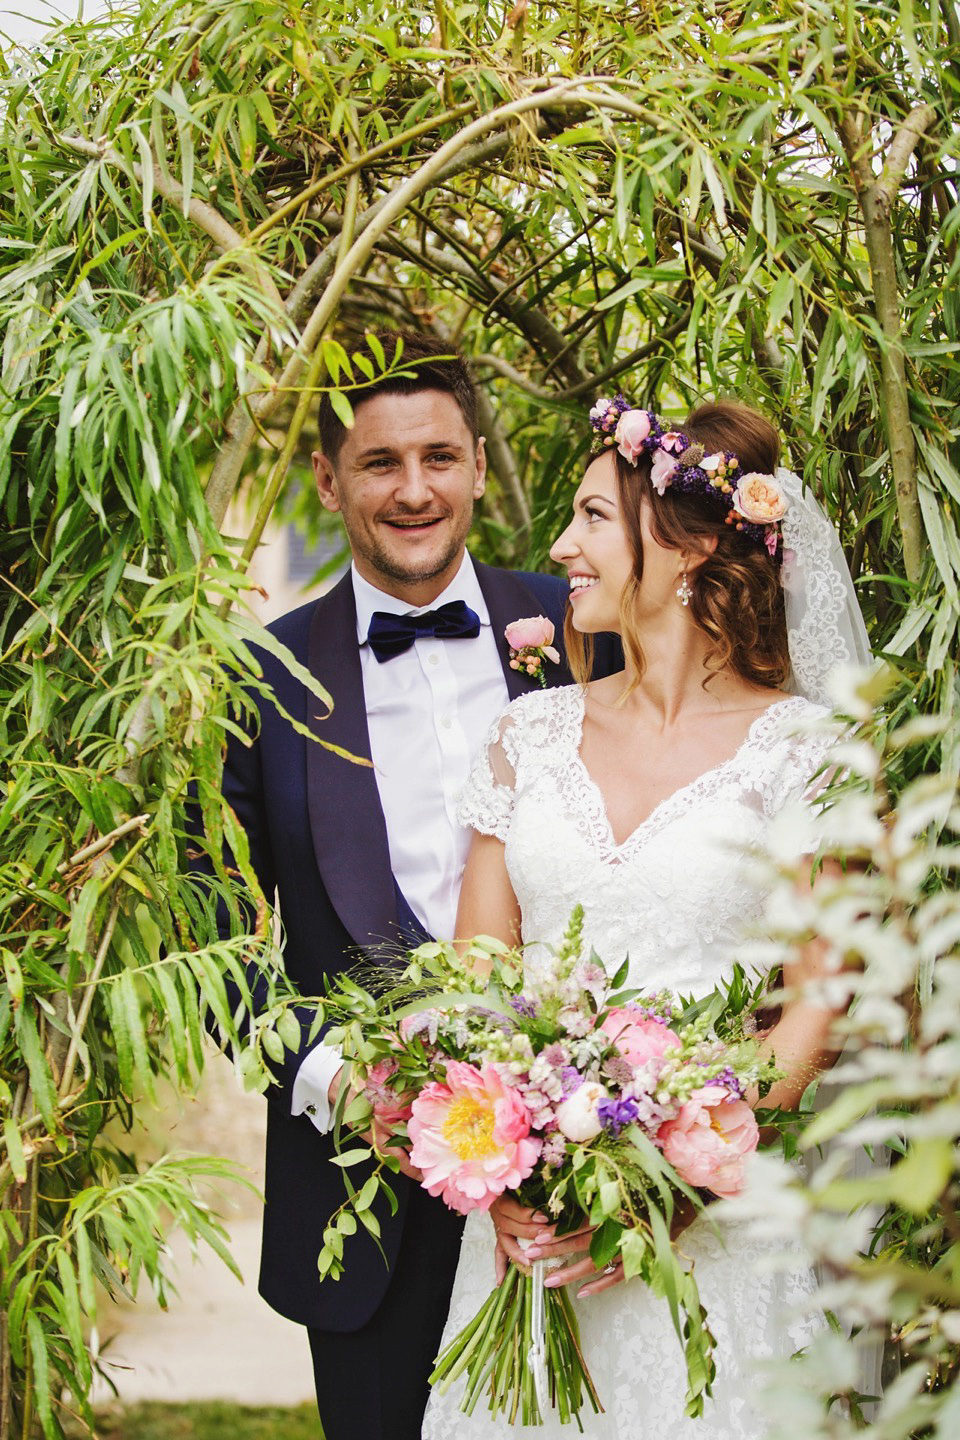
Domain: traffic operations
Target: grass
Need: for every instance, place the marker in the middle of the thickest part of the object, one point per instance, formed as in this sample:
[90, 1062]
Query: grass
[210, 1420]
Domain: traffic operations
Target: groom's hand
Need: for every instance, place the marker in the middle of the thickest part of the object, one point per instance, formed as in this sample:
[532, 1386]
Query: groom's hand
[376, 1136]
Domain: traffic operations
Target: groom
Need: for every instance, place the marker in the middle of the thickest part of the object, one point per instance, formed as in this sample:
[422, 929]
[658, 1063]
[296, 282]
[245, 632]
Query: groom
[363, 855]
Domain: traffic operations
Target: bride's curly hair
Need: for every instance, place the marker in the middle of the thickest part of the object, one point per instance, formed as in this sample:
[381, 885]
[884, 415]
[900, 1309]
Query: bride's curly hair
[737, 598]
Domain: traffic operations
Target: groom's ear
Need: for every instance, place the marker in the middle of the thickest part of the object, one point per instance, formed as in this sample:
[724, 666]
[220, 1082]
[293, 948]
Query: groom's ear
[324, 475]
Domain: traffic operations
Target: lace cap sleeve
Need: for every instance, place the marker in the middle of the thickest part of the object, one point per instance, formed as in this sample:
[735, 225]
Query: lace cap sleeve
[486, 803]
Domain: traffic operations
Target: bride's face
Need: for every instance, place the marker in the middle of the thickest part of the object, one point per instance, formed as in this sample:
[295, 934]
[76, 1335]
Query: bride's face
[597, 552]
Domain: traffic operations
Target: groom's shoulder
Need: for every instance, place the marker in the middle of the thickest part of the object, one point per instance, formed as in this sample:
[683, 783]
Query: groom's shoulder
[547, 590]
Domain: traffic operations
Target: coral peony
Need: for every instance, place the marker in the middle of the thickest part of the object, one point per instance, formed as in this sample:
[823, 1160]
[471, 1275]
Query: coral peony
[471, 1137]
[708, 1141]
[638, 1037]
[633, 427]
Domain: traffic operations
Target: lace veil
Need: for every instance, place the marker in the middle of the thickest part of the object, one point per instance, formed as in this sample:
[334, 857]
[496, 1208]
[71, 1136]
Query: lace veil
[825, 626]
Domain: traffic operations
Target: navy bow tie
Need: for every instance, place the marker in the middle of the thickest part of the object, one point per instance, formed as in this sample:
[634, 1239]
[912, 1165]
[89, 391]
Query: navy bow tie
[391, 635]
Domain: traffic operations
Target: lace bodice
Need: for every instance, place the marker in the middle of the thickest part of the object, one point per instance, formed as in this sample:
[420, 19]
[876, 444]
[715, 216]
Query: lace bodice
[677, 894]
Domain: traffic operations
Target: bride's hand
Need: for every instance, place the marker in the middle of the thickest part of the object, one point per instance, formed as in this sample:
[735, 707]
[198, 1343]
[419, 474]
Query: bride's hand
[513, 1222]
[584, 1268]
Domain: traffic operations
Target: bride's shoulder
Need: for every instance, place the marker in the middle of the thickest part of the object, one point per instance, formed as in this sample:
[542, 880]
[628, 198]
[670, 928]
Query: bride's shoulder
[542, 717]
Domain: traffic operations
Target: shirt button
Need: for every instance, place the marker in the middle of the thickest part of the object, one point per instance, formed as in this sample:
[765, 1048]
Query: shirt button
[446, 722]
[434, 658]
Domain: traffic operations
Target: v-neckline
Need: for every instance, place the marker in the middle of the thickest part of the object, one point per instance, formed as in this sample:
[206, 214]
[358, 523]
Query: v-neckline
[611, 843]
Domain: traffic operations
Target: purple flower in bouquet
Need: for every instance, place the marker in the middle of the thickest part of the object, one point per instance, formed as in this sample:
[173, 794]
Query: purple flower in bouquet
[615, 1115]
[524, 1006]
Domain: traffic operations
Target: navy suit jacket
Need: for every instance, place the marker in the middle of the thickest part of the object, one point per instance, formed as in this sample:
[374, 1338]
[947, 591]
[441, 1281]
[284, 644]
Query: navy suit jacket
[318, 839]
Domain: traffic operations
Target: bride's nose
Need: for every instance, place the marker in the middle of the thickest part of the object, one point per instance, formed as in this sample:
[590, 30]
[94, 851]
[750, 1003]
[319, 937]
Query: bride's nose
[563, 548]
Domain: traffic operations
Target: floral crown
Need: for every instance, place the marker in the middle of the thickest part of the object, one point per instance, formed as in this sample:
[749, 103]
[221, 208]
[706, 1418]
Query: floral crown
[754, 504]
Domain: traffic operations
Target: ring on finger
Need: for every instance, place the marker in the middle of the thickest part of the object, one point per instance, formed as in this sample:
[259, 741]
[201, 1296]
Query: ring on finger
[609, 1269]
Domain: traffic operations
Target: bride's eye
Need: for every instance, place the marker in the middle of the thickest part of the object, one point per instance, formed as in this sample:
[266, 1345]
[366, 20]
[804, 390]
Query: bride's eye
[592, 513]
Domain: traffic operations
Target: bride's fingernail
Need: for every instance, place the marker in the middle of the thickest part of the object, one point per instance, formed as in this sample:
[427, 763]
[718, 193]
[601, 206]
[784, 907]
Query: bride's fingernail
[532, 1252]
[539, 1215]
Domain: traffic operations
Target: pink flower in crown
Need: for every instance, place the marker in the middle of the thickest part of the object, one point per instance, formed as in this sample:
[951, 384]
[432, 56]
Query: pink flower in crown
[709, 1140]
[471, 1137]
[534, 633]
[599, 410]
[770, 540]
[760, 499]
[673, 442]
[637, 1037]
[661, 471]
[633, 428]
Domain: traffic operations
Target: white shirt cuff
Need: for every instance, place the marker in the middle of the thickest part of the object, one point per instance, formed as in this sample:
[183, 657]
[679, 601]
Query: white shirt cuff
[312, 1084]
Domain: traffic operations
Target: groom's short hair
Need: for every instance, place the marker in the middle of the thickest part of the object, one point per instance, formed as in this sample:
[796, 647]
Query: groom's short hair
[425, 363]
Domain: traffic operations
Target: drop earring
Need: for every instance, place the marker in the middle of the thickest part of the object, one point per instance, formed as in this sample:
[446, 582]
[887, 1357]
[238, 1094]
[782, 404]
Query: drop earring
[685, 590]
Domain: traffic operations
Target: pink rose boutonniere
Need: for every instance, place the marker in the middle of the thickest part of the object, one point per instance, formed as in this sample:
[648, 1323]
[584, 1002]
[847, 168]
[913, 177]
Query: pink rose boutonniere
[531, 643]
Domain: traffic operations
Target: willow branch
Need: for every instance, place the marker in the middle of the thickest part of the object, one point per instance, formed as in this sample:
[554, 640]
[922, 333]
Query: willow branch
[877, 198]
[203, 215]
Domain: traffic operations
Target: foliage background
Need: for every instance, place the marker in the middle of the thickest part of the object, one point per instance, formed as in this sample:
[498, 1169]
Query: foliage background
[203, 209]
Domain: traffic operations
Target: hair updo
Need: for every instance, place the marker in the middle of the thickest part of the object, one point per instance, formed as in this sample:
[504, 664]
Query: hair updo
[737, 598]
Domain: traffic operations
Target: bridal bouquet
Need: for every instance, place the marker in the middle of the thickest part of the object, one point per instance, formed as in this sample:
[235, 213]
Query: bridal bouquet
[590, 1103]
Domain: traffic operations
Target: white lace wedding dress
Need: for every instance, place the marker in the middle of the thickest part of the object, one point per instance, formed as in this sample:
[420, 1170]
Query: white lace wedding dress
[676, 896]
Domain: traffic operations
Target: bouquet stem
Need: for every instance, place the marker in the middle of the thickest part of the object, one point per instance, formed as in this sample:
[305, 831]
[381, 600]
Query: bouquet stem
[523, 1371]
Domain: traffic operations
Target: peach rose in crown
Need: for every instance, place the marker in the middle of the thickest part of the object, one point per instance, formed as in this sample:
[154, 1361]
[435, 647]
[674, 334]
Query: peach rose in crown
[633, 427]
[534, 633]
[709, 1140]
[471, 1137]
[759, 499]
[637, 1037]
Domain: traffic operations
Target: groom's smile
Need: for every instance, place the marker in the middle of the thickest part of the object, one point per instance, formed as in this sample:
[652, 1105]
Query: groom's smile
[405, 481]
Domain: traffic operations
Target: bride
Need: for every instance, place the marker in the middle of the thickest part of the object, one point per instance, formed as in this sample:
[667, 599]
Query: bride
[637, 796]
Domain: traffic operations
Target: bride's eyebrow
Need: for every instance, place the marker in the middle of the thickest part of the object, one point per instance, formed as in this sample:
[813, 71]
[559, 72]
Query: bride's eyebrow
[586, 500]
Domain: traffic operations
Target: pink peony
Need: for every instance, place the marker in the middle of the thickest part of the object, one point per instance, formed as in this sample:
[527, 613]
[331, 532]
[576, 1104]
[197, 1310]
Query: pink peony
[637, 1037]
[471, 1137]
[535, 633]
[633, 427]
[390, 1107]
[709, 1140]
[759, 499]
[661, 471]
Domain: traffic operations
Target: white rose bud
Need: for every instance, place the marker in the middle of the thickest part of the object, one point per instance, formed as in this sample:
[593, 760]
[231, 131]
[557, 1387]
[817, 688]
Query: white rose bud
[577, 1116]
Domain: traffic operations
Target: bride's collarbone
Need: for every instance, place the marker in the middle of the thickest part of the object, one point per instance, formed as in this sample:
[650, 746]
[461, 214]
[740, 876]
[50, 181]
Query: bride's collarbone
[637, 767]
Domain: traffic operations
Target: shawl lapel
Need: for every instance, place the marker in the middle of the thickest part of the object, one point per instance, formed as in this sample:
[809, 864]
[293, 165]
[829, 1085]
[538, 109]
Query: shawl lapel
[346, 817]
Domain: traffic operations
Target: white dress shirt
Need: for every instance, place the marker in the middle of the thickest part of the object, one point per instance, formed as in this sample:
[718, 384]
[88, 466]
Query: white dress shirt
[428, 712]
